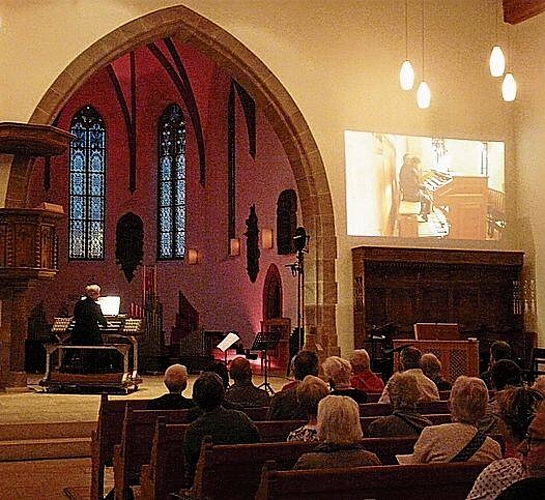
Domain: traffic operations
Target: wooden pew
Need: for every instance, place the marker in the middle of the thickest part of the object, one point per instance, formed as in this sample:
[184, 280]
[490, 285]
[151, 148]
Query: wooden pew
[234, 471]
[107, 434]
[425, 407]
[452, 481]
[166, 471]
[135, 446]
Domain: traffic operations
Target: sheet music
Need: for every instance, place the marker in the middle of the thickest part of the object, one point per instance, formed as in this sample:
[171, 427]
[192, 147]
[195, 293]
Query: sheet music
[228, 341]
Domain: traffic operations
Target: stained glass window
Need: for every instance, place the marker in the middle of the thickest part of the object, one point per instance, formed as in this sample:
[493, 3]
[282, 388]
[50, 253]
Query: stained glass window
[87, 186]
[171, 188]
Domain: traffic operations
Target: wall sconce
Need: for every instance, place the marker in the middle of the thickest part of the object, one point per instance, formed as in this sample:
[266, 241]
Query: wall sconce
[234, 247]
[192, 256]
[267, 238]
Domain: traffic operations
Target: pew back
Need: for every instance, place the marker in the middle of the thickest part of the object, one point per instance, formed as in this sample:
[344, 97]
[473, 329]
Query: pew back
[387, 482]
[107, 434]
[234, 471]
[134, 450]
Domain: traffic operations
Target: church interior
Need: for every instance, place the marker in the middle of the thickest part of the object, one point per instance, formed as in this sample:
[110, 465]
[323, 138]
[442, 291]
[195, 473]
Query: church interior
[235, 167]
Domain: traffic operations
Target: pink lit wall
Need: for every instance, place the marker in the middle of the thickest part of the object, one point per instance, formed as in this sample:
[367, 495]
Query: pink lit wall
[219, 286]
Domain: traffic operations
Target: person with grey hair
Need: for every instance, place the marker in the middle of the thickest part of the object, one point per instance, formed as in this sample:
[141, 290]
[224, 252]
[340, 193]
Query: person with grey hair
[459, 441]
[409, 360]
[337, 371]
[175, 380]
[431, 366]
[362, 376]
[243, 391]
[309, 393]
[339, 429]
[516, 408]
[405, 419]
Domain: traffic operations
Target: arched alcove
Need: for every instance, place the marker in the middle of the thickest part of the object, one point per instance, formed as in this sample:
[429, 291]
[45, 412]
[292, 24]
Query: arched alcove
[277, 105]
[272, 294]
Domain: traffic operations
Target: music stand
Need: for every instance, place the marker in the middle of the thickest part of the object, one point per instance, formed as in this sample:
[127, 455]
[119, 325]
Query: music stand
[264, 342]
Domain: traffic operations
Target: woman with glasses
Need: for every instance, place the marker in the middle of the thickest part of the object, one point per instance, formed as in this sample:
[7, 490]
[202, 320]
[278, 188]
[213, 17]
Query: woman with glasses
[516, 407]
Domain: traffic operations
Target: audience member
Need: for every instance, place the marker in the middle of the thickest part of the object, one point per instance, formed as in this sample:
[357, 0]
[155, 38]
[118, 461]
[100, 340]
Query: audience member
[309, 393]
[175, 380]
[532, 450]
[409, 360]
[224, 426]
[498, 350]
[459, 441]
[431, 366]
[362, 376]
[284, 404]
[337, 371]
[339, 429]
[539, 384]
[219, 368]
[405, 419]
[516, 407]
[503, 373]
[243, 391]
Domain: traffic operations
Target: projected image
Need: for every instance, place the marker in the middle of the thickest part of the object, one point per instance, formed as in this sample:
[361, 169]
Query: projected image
[424, 187]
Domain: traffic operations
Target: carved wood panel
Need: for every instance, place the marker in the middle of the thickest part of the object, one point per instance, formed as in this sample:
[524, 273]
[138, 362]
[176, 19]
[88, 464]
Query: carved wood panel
[403, 286]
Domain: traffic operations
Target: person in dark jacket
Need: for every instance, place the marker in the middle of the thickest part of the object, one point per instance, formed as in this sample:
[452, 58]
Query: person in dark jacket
[175, 381]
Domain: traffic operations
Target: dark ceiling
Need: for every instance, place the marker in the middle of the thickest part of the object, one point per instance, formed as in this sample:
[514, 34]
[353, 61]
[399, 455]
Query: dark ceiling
[516, 11]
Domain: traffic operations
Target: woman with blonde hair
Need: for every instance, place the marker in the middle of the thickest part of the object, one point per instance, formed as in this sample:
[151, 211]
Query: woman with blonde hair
[459, 441]
[340, 431]
[338, 371]
[405, 419]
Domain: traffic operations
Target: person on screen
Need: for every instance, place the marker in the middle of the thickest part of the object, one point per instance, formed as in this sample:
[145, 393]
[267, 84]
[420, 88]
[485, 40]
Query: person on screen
[412, 187]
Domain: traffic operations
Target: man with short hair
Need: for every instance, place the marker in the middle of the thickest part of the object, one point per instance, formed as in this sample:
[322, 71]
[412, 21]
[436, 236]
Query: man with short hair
[224, 426]
[284, 404]
[498, 350]
[175, 380]
[243, 391]
[532, 450]
[363, 378]
[409, 360]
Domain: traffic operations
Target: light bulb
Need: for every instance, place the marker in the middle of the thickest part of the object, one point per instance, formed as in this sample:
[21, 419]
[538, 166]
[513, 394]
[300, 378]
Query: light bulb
[497, 61]
[509, 88]
[423, 95]
[406, 75]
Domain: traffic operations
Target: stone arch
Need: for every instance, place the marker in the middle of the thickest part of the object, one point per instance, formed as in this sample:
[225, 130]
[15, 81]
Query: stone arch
[279, 108]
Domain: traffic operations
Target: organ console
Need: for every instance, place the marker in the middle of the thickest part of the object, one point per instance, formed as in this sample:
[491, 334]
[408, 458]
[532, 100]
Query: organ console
[461, 201]
[121, 335]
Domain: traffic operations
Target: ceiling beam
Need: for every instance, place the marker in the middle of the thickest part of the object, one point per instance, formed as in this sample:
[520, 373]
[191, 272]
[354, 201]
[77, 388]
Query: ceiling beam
[516, 11]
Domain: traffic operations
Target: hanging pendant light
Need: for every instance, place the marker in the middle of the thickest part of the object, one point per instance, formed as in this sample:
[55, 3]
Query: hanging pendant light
[509, 88]
[423, 94]
[406, 74]
[497, 61]
[509, 84]
[497, 58]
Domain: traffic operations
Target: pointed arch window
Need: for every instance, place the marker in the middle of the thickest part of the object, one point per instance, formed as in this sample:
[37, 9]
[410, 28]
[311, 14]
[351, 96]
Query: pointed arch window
[87, 192]
[172, 184]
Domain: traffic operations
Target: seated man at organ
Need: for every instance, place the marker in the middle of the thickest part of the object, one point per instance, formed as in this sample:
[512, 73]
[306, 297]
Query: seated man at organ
[412, 185]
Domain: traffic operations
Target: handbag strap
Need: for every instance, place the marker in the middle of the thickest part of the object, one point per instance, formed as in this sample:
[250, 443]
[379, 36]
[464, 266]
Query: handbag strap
[470, 448]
